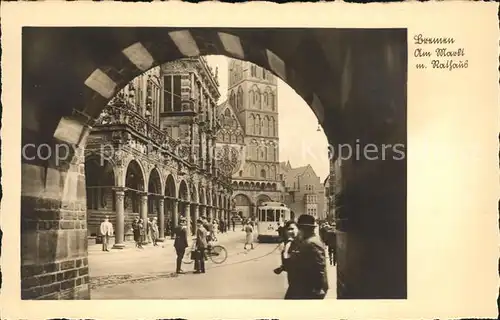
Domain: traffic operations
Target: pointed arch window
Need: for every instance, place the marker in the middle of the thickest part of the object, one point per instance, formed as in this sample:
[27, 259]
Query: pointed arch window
[239, 98]
[265, 99]
[257, 125]
[263, 173]
[265, 126]
[252, 95]
[271, 126]
[251, 127]
[252, 170]
[274, 130]
[257, 99]
[232, 100]
[254, 152]
[272, 102]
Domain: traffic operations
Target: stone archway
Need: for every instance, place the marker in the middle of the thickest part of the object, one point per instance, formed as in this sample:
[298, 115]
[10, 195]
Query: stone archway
[243, 205]
[262, 198]
[155, 197]
[78, 70]
[99, 183]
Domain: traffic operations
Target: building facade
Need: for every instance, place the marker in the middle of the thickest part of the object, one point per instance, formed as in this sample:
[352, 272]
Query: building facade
[305, 192]
[152, 152]
[333, 186]
[249, 135]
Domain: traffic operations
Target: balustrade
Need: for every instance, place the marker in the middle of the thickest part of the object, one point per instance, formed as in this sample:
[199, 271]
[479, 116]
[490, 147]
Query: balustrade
[122, 112]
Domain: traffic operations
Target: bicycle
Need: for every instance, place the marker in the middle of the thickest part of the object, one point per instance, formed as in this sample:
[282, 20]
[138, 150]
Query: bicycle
[216, 253]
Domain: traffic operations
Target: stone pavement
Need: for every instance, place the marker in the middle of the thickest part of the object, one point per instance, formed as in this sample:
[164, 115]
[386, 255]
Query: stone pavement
[149, 273]
[132, 260]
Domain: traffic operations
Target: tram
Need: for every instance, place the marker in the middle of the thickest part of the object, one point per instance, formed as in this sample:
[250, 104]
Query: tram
[271, 215]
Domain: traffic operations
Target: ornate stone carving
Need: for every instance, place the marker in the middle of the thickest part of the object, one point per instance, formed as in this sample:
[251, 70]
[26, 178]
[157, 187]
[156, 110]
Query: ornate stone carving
[228, 159]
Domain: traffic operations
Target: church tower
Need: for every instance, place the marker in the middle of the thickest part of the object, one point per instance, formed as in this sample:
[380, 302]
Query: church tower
[249, 137]
[252, 91]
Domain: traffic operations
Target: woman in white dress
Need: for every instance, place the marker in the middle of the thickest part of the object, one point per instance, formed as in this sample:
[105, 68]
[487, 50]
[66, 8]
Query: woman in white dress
[249, 235]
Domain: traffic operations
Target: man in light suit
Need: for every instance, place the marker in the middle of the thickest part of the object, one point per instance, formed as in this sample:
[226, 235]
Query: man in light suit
[106, 232]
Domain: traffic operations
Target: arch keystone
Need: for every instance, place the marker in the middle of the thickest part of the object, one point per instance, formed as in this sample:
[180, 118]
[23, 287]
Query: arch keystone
[232, 44]
[101, 83]
[185, 42]
[276, 64]
[139, 56]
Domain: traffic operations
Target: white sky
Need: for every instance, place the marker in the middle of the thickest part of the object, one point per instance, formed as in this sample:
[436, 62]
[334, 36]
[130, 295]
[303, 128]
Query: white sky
[300, 142]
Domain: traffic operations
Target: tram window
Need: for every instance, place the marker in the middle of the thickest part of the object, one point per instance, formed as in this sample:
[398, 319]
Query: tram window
[270, 215]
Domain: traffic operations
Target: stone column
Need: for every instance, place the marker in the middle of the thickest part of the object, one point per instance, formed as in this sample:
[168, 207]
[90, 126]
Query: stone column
[175, 207]
[53, 248]
[144, 213]
[120, 219]
[196, 216]
[187, 211]
[372, 244]
[161, 220]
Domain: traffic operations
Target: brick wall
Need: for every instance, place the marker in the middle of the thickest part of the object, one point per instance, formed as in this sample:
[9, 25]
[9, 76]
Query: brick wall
[54, 241]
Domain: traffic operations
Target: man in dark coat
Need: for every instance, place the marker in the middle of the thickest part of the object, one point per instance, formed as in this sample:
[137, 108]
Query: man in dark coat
[201, 245]
[309, 263]
[180, 243]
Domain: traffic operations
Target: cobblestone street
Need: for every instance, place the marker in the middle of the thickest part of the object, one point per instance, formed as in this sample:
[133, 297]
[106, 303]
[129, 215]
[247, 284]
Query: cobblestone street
[149, 273]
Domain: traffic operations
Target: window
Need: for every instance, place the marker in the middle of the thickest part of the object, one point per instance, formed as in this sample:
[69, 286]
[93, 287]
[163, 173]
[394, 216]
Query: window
[270, 215]
[271, 101]
[241, 173]
[253, 70]
[240, 98]
[232, 100]
[251, 127]
[172, 101]
[264, 74]
[262, 173]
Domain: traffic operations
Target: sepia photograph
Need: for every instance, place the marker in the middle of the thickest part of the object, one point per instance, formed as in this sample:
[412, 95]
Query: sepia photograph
[213, 163]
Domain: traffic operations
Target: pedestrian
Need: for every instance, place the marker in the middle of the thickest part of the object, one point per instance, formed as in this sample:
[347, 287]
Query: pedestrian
[222, 226]
[309, 263]
[215, 228]
[331, 242]
[142, 233]
[136, 231]
[154, 231]
[249, 235]
[233, 221]
[209, 228]
[106, 231]
[201, 246]
[289, 249]
[180, 244]
[281, 233]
